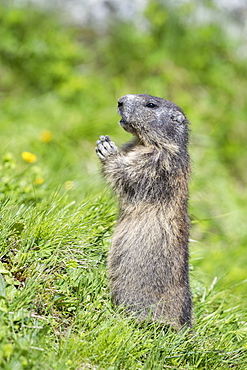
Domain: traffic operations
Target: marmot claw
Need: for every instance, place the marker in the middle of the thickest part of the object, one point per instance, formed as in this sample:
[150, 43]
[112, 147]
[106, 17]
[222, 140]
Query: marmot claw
[105, 147]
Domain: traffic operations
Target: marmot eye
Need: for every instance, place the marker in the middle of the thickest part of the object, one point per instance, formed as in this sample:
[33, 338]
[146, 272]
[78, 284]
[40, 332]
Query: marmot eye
[151, 105]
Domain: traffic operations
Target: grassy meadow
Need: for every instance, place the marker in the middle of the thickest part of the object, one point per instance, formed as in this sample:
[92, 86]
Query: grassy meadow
[59, 84]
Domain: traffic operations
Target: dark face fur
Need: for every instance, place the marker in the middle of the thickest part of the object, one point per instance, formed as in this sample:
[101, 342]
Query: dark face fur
[153, 120]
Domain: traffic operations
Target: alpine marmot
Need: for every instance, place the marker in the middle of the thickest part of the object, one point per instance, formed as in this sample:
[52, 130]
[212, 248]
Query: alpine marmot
[148, 259]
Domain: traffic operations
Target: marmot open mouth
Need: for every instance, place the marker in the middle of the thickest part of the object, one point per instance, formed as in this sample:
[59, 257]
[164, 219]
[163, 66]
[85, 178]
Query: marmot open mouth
[127, 126]
[123, 122]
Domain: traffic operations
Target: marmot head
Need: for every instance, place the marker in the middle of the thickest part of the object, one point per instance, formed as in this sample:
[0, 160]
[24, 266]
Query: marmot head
[153, 120]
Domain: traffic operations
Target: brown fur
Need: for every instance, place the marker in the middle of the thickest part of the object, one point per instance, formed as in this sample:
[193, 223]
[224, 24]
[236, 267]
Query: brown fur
[148, 260]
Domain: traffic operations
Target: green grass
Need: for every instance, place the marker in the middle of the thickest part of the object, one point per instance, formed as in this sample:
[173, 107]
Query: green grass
[56, 310]
[57, 218]
[55, 305]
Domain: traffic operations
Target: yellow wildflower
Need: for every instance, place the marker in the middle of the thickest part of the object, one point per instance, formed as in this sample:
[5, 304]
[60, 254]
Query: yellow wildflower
[39, 180]
[46, 136]
[29, 157]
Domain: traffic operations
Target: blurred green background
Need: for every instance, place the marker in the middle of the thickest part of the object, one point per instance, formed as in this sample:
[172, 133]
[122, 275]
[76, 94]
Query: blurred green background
[60, 81]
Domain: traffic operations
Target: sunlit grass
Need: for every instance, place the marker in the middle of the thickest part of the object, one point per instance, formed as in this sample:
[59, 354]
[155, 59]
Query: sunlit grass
[57, 218]
[56, 308]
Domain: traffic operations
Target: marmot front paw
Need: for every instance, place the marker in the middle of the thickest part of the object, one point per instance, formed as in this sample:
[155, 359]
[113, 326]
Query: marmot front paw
[105, 147]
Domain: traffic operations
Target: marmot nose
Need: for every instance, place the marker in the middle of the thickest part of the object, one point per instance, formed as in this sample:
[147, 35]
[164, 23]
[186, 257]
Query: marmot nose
[121, 101]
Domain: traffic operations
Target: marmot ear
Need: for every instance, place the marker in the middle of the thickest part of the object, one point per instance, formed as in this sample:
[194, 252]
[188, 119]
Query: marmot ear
[177, 116]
